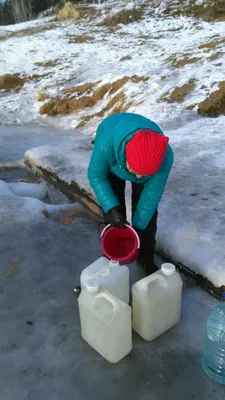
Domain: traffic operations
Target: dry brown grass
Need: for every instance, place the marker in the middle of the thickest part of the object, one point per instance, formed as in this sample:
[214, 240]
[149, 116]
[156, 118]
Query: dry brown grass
[57, 105]
[117, 104]
[15, 82]
[3, 37]
[212, 45]
[118, 100]
[46, 64]
[30, 31]
[126, 58]
[176, 60]
[180, 92]
[220, 18]
[179, 63]
[42, 97]
[79, 38]
[86, 88]
[145, 37]
[138, 79]
[87, 96]
[215, 104]
[209, 9]
[123, 17]
[216, 55]
[185, 61]
[11, 82]
[109, 88]
[87, 12]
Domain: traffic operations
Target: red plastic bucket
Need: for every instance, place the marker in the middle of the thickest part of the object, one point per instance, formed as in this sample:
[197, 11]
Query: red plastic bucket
[120, 244]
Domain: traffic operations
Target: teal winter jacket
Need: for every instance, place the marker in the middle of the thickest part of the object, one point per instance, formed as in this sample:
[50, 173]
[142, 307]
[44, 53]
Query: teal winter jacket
[109, 155]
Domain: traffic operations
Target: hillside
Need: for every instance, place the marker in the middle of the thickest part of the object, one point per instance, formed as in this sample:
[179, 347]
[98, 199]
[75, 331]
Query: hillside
[72, 73]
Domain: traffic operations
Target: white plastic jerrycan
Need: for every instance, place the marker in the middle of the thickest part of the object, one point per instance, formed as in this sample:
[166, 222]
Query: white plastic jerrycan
[105, 322]
[111, 276]
[156, 302]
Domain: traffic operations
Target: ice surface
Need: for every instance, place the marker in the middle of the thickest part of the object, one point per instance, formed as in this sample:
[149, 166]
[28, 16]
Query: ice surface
[42, 353]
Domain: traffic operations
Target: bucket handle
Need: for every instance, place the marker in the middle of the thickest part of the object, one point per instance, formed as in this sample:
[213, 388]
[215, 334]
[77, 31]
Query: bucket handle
[128, 226]
[111, 300]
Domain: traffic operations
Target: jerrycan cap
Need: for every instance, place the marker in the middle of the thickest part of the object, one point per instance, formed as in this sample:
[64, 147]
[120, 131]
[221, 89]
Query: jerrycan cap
[92, 286]
[114, 263]
[168, 269]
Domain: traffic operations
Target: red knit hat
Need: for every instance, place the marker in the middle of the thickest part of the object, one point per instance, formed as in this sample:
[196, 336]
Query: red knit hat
[145, 151]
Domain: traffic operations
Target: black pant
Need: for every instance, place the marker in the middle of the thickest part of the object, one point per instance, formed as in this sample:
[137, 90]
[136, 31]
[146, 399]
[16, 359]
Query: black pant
[148, 241]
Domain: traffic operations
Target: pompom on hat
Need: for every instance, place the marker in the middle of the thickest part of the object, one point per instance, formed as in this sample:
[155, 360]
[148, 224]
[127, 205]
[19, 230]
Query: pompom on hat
[145, 151]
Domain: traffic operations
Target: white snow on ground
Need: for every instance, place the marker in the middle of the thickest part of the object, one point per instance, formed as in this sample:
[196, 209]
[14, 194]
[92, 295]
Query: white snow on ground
[192, 209]
[150, 42]
[192, 224]
[30, 207]
[38, 191]
[23, 201]
[24, 25]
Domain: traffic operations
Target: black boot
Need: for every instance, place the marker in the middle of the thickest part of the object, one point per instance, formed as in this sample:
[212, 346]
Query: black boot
[147, 247]
[147, 263]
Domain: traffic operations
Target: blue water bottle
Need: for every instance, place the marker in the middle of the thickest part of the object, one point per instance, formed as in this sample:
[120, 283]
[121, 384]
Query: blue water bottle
[213, 353]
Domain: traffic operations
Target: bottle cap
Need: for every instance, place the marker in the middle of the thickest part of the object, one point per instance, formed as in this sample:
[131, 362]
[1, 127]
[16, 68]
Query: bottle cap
[113, 263]
[92, 286]
[168, 269]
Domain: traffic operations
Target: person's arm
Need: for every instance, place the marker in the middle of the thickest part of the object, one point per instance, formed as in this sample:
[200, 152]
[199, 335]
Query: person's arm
[98, 172]
[152, 193]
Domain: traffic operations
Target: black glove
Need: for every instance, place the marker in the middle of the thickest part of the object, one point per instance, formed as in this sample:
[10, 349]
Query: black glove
[115, 217]
[140, 234]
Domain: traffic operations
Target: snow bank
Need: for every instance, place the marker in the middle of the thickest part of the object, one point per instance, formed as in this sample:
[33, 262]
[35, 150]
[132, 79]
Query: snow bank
[10, 204]
[67, 160]
[191, 226]
[38, 191]
[20, 203]
[66, 168]
[191, 213]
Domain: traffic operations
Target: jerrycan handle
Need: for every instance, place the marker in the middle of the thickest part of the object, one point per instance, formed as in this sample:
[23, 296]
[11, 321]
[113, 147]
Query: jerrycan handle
[153, 278]
[111, 300]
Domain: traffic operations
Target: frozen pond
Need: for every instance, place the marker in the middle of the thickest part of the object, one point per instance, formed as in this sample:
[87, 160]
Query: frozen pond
[41, 350]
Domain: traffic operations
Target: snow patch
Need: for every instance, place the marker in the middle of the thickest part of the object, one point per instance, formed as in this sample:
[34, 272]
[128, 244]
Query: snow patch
[37, 191]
